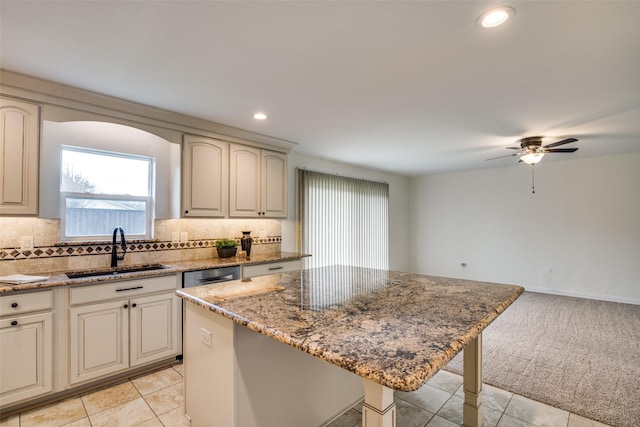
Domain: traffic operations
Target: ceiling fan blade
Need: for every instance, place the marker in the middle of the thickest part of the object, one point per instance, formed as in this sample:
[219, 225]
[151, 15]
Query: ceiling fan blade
[561, 150]
[500, 157]
[564, 141]
[514, 148]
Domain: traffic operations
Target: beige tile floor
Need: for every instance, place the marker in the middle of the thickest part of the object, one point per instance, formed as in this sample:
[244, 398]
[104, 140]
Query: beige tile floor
[439, 404]
[156, 399]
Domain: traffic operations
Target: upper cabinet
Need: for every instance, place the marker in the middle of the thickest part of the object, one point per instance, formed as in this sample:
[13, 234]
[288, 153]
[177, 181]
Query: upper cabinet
[205, 177]
[273, 187]
[257, 182]
[19, 142]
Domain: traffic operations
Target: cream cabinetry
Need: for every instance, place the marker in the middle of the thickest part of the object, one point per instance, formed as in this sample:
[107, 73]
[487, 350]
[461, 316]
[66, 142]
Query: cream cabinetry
[273, 188]
[26, 346]
[19, 143]
[257, 182]
[271, 268]
[205, 177]
[154, 327]
[99, 340]
[122, 325]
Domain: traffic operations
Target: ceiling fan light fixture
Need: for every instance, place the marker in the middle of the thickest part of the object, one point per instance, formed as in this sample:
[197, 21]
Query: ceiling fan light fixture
[260, 116]
[496, 16]
[532, 158]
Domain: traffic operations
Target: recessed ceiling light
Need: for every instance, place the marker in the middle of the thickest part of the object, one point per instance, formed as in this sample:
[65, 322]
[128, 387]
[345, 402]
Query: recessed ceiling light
[495, 17]
[260, 116]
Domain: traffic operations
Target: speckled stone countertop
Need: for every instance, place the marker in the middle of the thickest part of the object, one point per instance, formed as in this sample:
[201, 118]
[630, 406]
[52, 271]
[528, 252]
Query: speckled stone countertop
[61, 279]
[397, 329]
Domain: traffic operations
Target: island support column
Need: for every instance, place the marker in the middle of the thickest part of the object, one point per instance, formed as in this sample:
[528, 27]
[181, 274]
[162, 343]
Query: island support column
[472, 380]
[378, 409]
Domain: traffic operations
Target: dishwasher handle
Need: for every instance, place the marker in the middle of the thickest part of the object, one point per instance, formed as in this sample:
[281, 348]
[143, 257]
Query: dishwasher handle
[215, 279]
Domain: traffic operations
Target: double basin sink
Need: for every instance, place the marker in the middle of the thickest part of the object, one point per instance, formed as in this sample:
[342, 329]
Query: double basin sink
[114, 270]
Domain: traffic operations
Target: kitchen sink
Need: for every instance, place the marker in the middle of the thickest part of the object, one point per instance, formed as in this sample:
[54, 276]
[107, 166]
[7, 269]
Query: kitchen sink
[114, 270]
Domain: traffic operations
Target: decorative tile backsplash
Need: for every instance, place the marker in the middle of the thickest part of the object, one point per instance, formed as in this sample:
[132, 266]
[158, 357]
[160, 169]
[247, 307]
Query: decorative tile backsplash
[88, 248]
[49, 254]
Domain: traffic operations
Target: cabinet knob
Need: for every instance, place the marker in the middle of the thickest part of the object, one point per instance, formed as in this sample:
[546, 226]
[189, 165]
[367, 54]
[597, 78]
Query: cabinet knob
[14, 323]
[186, 212]
[134, 304]
[14, 304]
[126, 306]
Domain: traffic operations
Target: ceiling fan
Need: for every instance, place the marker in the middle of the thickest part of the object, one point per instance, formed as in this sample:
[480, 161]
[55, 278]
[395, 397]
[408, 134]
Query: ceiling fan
[531, 150]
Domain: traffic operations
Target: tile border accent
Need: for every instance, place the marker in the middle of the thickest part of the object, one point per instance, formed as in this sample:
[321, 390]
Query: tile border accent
[69, 249]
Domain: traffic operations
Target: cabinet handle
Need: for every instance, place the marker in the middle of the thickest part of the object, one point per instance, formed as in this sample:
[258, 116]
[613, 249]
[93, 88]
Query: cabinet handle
[134, 304]
[14, 304]
[275, 268]
[14, 323]
[126, 306]
[129, 289]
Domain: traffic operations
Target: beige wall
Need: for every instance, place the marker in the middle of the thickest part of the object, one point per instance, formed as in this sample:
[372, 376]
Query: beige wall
[579, 234]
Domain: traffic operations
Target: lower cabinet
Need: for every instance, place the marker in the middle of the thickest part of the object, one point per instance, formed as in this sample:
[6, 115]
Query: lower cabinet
[153, 328]
[99, 340]
[109, 337]
[26, 355]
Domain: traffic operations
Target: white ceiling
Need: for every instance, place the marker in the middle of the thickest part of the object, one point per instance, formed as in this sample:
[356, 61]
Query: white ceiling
[409, 87]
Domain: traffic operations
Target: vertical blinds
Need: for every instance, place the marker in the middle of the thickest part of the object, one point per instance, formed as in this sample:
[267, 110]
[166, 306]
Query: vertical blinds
[343, 221]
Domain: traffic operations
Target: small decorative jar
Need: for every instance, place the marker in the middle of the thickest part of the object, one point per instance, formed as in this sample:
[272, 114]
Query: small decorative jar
[246, 242]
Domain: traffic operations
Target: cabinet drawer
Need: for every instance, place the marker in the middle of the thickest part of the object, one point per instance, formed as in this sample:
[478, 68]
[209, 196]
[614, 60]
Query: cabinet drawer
[25, 303]
[123, 289]
[271, 268]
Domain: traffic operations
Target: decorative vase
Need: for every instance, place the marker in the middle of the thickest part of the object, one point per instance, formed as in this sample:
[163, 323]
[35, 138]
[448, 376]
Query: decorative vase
[226, 252]
[246, 242]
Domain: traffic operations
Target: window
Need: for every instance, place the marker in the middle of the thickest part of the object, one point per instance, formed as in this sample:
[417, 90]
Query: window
[101, 190]
[344, 221]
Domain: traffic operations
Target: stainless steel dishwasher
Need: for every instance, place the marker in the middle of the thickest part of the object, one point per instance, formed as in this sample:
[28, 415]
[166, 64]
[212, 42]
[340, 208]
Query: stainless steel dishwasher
[209, 276]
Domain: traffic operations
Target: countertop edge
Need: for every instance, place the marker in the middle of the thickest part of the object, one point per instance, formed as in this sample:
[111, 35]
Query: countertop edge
[173, 267]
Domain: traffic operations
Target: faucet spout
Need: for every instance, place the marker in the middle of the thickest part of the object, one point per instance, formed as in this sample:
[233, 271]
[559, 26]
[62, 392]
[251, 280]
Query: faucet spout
[114, 248]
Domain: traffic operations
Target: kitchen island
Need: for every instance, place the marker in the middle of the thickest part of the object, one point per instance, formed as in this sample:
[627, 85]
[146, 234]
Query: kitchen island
[387, 330]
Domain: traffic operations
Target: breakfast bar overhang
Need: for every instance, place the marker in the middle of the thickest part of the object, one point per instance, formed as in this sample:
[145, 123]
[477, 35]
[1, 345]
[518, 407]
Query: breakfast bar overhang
[386, 330]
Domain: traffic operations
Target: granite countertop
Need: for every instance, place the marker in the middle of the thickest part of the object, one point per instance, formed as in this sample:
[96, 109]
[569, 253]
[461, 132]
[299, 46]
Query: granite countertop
[397, 329]
[61, 279]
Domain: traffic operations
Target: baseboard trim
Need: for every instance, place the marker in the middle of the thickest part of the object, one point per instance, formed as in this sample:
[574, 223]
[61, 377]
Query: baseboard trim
[602, 297]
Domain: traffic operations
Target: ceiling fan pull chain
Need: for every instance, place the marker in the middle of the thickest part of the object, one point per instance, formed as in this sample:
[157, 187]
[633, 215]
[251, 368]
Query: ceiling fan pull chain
[533, 179]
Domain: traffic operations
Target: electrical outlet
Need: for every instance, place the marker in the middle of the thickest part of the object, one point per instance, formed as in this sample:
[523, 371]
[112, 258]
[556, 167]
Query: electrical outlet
[175, 237]
[26, 243]
[184, 237]
[205, 336]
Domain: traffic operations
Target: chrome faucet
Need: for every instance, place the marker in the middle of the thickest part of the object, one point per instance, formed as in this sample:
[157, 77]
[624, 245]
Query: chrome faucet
[114, 249]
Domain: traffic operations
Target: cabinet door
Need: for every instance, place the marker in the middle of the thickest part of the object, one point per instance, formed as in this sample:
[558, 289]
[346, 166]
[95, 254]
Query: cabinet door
[19, 133]
[99, 340]
[204, 177]
[244, 181]
[154, 327]
[274, 184]
[26, 356]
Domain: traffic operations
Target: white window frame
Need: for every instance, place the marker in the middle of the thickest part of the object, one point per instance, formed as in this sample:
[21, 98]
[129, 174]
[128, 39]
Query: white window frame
[149, 200]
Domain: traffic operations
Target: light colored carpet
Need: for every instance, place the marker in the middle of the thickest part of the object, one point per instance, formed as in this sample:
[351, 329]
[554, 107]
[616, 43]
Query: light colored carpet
[576, 354]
